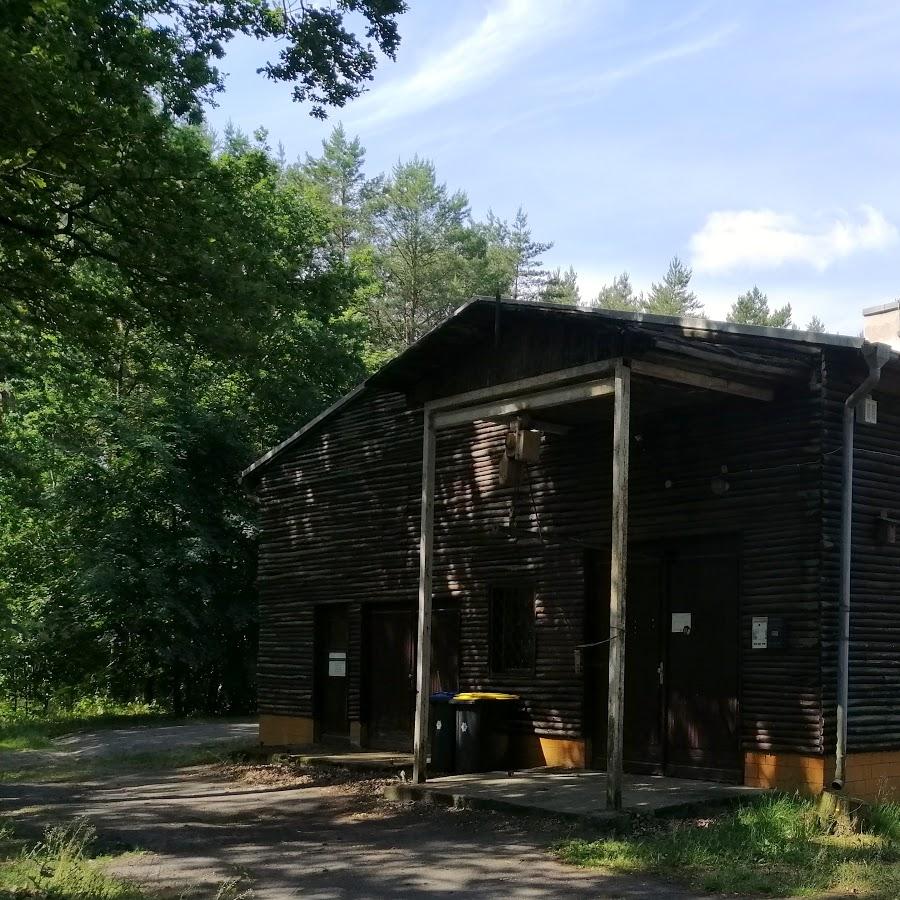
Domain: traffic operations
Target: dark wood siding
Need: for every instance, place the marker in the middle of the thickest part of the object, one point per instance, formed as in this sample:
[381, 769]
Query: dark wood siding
[339, 523]
[874, 711]
[772, 458]
[340, 519]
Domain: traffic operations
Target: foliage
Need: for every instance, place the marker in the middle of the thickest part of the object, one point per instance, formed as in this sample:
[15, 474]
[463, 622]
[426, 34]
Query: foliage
[619, 294]
[752, 308]
[128, 544]
[94, 177]
[672, 296]
[166, 311]
[816, 325]
[63, 866]
[774, 845]
[561, 287]
[669, 297]
[518, 269]
[419, 234]
[337, 175]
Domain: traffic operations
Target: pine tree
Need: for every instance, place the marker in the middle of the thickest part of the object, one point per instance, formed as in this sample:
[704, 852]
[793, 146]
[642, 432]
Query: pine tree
[338, 176]
[561, 287]
[671, 296]
[529, 275]
[618, 295]
[422, 243]
[752, 308]
[815, 325]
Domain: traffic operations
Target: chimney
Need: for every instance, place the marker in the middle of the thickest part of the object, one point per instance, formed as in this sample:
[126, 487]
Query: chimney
[882, 324]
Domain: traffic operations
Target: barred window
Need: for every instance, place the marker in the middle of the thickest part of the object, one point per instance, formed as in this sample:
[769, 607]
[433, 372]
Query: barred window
[512, 628]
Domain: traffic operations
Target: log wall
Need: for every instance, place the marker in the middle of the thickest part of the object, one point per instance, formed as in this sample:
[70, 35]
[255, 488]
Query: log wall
[874, 707]
[339, 519]
[771, 456]
[340, 524]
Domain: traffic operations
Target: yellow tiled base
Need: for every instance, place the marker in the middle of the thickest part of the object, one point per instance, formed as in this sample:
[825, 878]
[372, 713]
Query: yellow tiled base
[533, 750]
[282, 731]
[869, 776]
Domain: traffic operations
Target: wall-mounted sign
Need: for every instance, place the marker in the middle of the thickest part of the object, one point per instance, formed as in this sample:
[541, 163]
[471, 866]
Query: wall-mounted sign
[337, 665]
[759, 633]
[769, 633]
[681, 623]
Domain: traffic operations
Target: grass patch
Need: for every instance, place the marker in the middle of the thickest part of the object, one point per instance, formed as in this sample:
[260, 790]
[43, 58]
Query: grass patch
[21, 731]
[62, 866]
[775, 845]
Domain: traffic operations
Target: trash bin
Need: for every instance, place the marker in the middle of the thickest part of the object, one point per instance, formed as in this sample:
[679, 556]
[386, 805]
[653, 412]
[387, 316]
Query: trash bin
[443, 731]
[482, 731]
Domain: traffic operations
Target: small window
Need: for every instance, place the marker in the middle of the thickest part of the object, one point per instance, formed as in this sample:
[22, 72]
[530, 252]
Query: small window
[512, 628]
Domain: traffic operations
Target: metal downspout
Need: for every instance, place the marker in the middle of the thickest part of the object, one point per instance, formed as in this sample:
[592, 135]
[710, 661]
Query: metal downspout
[876, 355]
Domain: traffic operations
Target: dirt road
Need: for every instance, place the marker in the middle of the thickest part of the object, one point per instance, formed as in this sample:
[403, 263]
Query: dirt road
[318, 836]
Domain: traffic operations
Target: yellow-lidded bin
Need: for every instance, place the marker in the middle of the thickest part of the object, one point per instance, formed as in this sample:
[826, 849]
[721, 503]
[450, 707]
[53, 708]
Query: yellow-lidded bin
[482, 730]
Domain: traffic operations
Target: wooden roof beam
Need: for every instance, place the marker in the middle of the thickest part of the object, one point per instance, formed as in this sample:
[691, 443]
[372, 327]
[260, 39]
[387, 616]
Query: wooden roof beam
[511, 406]
[677, 375]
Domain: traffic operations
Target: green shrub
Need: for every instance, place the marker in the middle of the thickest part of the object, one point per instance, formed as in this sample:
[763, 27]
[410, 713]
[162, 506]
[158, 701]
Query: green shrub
[62, 867]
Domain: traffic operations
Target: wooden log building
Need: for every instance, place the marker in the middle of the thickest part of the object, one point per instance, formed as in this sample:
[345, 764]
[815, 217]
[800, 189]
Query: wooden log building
[657, 572]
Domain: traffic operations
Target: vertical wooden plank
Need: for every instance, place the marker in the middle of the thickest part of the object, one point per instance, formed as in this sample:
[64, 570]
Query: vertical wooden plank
[618, 570]
[423, 649]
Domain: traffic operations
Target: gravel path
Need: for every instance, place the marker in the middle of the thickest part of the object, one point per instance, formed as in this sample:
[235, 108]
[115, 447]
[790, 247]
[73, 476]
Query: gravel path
[87, 746]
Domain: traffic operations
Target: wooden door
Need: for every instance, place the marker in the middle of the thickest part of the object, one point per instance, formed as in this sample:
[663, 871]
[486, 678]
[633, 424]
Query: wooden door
[391, 675]
[681, 660]
[701, 676]
[445, 650]
[643, 744]
[392, 639]
[331, 661]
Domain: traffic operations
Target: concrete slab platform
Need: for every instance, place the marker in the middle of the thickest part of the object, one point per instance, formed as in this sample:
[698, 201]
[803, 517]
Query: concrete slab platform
[573, 794]
[356, 760]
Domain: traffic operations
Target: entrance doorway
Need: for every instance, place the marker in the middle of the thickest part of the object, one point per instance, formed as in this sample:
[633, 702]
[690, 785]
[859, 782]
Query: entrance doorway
[681, 660]
[331, 643]
[391, 669]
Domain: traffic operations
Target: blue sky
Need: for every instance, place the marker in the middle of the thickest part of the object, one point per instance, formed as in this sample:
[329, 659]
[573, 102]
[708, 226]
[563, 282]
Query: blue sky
[760, 141]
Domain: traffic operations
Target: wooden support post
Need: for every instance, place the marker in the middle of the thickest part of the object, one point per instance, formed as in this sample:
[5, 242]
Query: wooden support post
[423, 650]
[617, 585]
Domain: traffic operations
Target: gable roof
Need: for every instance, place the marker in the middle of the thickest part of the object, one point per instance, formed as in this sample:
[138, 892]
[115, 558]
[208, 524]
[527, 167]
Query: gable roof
[480, 313]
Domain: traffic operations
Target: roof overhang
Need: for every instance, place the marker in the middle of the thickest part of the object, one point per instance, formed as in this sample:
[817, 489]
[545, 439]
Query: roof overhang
[761, 354]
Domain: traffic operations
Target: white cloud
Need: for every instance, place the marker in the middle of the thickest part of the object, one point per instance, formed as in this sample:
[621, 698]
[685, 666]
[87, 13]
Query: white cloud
[501, 38]
[653, 59]
[763, 238]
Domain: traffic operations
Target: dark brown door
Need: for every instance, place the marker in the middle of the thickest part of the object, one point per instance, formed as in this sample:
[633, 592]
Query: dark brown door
[445, 650]
[392, 669]
[391, 675]
[643, 745]
[701, 677]
[331, 636]
[681, 660]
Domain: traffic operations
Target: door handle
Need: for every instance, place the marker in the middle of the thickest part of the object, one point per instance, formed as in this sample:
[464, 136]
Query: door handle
[660, 670]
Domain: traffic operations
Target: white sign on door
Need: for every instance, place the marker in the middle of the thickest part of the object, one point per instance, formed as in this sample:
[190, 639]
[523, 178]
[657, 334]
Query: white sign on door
[337, 665]
[681, 623]
[759, 633]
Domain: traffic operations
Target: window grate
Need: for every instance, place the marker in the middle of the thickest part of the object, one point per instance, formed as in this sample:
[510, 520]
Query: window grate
[512, 628]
